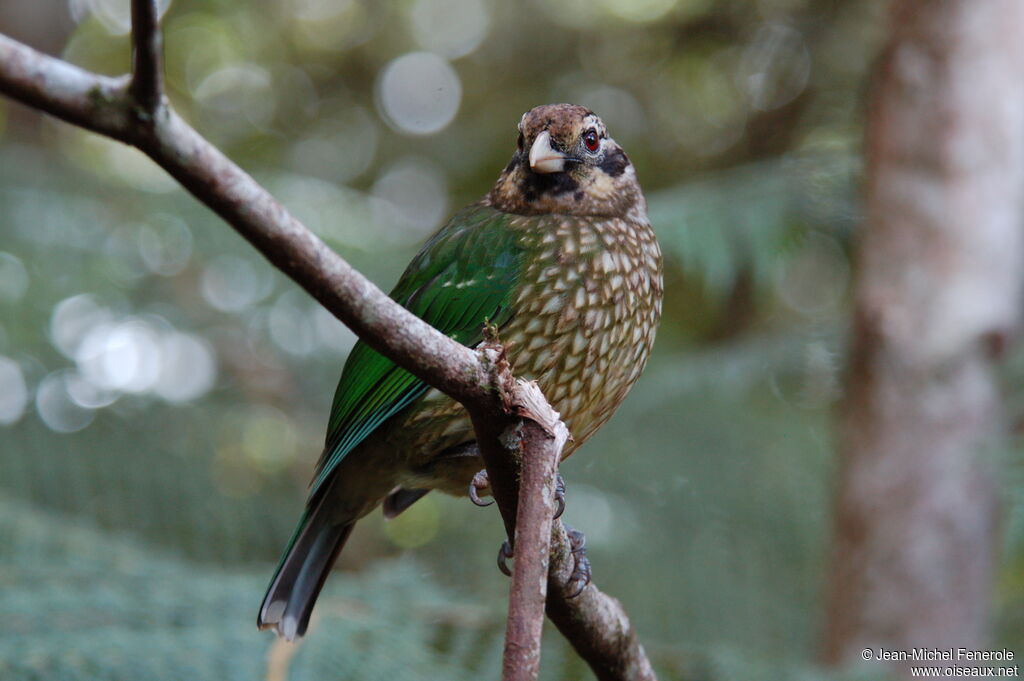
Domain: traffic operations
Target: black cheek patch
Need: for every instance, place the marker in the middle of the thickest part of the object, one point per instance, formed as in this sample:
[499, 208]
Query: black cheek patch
[539, 184]
[615, 163]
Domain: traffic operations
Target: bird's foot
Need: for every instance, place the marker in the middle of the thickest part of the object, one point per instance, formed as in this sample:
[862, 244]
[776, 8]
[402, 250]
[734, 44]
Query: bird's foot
[559, 495]
[480, 482]
[504, 553]
[581, 574]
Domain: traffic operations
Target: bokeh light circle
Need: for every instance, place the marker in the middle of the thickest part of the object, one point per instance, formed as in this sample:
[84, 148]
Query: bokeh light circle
[187, 367]
[775, 67]
[419, 93]
[165, 244]
[123, 356]
[13, 391]
[453, 28]
[231, 283]
[71, 320]
[56, 407]
[414, 198]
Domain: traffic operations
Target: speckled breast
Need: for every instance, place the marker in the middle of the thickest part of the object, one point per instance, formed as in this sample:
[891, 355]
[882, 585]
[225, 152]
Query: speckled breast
[586, 315]
[587, 309]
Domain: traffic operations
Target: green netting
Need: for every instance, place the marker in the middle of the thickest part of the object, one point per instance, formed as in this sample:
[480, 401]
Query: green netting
[78, 604]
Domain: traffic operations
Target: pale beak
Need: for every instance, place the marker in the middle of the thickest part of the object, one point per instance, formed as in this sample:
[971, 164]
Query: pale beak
[544, 158]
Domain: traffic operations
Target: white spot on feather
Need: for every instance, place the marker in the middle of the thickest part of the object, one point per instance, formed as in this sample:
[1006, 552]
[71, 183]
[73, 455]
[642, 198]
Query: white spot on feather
[536, 343]
[552, 305]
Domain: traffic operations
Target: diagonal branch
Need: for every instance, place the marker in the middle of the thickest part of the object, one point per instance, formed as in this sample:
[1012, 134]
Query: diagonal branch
[63, 90]
[383, 324]
[595, 624]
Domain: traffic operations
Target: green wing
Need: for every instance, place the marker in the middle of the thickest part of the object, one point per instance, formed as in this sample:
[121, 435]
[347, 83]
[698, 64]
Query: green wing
[465, 274]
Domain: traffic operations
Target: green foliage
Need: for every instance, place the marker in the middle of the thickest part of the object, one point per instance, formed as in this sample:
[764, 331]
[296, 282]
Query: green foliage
[754, 217]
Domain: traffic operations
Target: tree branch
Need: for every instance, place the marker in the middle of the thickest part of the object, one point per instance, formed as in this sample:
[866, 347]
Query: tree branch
[104, 105]
[513, 423]
[147, 87]
[540, 436]
[63, 90]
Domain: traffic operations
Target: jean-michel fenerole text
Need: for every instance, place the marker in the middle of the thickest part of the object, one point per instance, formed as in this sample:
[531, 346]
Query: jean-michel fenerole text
[952, 654]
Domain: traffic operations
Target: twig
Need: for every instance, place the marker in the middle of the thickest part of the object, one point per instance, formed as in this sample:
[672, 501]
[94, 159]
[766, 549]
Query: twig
[540, 436]
[147, 56]
[594, 624]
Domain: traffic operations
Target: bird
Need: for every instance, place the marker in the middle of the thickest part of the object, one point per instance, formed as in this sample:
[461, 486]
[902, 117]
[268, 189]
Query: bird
[560, 256]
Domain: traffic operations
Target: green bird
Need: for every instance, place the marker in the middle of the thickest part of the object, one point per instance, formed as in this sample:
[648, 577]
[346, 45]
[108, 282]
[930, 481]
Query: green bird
[561, 257]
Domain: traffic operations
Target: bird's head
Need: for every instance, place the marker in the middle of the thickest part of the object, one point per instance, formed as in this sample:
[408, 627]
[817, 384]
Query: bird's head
[565, 162]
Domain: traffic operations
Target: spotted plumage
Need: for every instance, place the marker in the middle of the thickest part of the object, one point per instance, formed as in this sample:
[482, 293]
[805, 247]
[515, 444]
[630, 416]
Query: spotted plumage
[561, 257]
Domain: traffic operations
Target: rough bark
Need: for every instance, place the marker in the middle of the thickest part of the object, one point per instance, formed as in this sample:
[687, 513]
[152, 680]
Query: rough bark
[539, 438]
[936, 299]
[134, 111]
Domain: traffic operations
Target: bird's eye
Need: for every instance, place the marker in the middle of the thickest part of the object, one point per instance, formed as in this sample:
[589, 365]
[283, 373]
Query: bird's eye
[590, 140]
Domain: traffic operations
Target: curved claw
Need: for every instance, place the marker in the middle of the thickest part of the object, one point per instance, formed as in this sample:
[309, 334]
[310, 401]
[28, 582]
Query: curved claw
[480, 481]
[559, 496]
[581, 571]
[504, 553]
[581, 579]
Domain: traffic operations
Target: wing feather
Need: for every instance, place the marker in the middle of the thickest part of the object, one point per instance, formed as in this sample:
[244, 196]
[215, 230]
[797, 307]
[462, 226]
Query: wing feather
[463, 276]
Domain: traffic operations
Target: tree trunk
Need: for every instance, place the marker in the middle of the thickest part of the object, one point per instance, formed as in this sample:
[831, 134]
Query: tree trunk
[937, 297]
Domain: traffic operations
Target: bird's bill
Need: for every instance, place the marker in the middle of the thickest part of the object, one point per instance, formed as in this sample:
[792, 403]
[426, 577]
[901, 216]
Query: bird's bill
[544, 158]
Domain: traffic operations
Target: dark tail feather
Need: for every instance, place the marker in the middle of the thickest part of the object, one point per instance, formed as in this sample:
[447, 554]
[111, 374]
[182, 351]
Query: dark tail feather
[401, 499]
[303, 570]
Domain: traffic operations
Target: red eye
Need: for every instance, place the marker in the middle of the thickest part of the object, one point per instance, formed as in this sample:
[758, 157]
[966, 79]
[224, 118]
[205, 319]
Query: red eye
[590, 140]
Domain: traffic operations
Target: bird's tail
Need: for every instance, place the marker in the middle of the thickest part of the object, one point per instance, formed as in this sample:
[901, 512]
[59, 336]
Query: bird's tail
[302, 572]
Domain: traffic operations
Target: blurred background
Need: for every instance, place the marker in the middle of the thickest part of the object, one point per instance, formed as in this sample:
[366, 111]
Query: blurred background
[164, 391]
